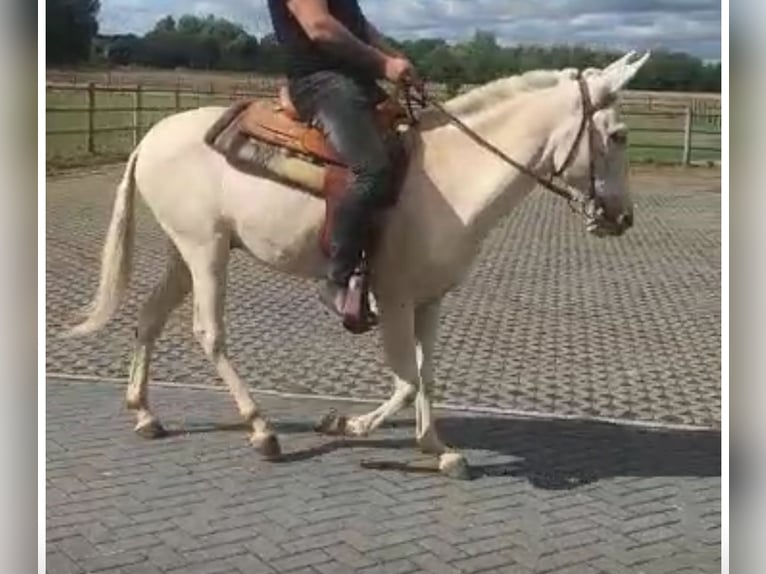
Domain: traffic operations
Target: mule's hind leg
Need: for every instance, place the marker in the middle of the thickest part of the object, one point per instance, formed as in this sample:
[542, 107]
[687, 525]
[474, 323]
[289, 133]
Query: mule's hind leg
[208, 270]
[166, 296]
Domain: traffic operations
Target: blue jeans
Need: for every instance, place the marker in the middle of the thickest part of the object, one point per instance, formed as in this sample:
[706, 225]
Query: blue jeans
[343, 108]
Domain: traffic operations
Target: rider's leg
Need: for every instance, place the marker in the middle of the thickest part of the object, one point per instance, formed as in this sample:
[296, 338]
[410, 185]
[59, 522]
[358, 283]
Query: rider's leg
[344, 112]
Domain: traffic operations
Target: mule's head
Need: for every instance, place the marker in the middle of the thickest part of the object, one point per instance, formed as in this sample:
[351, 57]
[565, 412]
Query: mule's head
[589, 149]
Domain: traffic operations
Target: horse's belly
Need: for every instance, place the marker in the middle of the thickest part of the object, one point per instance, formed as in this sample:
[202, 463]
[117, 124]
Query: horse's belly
[279, 226]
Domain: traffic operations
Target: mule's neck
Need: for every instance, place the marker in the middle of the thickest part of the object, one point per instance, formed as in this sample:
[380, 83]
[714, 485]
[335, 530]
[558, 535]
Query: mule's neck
[521, 128]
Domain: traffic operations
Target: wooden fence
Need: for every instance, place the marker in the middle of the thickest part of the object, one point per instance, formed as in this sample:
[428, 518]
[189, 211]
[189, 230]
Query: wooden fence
[93, 120]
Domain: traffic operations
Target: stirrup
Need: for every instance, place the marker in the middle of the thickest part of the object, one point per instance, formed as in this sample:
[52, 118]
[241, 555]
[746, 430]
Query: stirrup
[358, 317]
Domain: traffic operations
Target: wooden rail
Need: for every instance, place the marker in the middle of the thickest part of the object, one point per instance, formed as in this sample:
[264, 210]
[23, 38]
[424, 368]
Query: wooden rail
[646, 113]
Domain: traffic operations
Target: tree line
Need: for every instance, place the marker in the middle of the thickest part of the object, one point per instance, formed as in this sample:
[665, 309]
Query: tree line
[212, 43]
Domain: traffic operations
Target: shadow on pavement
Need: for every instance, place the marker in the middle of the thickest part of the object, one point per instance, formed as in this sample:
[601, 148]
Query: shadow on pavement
[567, 454]
[550, 454]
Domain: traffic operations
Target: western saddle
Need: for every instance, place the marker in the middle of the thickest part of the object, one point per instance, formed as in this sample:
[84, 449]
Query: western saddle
[267, 139]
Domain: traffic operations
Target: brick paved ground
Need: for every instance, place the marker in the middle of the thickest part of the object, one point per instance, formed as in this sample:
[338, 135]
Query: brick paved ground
[547, 497]
[551, 320]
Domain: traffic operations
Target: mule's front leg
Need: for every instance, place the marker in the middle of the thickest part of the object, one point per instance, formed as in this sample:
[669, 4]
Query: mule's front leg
[398, 333]
[426, 326]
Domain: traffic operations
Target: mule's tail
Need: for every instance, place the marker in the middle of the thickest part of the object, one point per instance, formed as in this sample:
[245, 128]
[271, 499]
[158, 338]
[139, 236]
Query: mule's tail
[116, 257]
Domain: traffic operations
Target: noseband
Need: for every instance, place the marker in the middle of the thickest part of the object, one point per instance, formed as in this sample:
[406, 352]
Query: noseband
[563, 189]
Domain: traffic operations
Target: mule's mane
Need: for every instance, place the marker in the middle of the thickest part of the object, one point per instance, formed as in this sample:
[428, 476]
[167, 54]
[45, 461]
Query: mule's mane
[484, 97]
[505, 89]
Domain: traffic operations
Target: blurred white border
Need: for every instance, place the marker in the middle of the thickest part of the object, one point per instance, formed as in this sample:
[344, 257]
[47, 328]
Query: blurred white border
[41, 348]
[41, 563]
[725, 286]
[19, 237]
[748, 303]
[743, 489]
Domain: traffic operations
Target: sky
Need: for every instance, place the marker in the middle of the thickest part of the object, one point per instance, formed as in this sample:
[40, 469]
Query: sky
[692, 26]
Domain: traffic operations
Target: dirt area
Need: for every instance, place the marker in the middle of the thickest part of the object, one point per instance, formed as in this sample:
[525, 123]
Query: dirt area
[687, 178]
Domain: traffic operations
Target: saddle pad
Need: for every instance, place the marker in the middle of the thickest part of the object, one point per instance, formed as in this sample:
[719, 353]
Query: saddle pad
[262, 120]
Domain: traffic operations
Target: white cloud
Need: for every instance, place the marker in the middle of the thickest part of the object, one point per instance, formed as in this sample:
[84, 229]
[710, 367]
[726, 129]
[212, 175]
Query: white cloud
[689, 25]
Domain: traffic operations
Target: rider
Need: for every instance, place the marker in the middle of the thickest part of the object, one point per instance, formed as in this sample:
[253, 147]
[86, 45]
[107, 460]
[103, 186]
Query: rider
[334, 57]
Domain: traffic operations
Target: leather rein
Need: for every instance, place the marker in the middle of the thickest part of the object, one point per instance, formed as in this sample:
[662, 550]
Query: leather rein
[568, 192]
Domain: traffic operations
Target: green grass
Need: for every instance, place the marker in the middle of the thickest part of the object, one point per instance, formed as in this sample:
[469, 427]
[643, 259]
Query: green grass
[63, 147]
[647, 131]
[660, 138]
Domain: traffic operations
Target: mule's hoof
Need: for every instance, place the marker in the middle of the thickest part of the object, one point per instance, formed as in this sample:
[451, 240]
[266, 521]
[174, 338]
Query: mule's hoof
[454, 465]
[151, 430]
[332, 423]
[267, 446]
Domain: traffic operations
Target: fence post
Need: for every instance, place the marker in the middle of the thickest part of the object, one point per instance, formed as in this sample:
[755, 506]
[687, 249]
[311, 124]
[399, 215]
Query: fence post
[137, 105]
[177, 98]
[91, 118]
[686, 160]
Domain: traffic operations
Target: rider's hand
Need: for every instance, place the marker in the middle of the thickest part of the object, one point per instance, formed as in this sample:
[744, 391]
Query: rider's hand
[401, 71]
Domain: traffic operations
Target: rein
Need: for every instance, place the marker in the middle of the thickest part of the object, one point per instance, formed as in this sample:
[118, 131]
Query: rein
[564, 190]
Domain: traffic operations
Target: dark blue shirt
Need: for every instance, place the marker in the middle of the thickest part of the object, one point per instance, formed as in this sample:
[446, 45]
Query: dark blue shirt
[304, 56]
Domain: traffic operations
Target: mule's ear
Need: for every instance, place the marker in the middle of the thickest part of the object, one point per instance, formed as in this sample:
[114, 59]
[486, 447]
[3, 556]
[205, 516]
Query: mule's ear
[615, 77]
[619, 63]
[618, 76]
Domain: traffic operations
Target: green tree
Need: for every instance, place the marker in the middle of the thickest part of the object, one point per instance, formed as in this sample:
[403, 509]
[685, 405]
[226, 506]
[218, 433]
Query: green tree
[71, 26]
[166, 24]
[216, 43]
[240, 53]
[271, 56]
[190, 25]
[441, 65]
[480, 58]
[121, 50]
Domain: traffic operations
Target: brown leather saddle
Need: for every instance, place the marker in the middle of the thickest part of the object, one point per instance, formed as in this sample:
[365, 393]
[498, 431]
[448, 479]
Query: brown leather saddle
[280, 125]
[268, 139]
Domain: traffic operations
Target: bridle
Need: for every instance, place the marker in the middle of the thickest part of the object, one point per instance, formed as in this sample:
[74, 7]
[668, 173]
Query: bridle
[589, 202]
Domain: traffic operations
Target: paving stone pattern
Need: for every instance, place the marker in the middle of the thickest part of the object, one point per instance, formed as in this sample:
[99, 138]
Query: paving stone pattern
[546, 497]
[550, 320]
